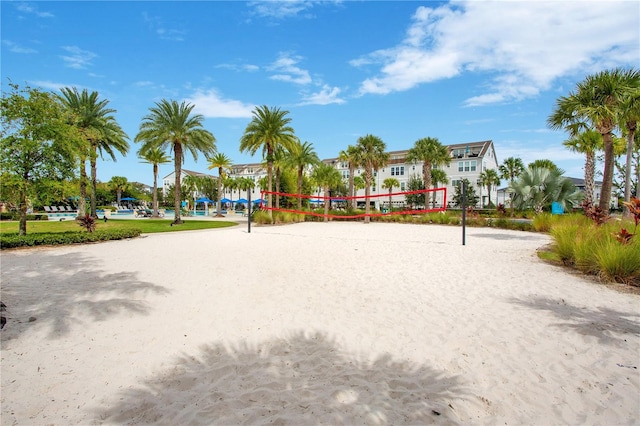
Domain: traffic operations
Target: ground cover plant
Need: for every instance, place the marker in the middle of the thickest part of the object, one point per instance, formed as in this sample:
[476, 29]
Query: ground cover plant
[70, 232]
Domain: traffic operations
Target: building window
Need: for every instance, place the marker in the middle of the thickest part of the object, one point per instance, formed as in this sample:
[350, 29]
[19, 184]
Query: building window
[397, 171]
[402, 186]
[466, 166]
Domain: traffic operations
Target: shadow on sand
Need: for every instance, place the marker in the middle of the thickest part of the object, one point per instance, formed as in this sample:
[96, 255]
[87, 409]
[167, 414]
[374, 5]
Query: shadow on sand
[607, 325]
[63, 289]
[300, 379]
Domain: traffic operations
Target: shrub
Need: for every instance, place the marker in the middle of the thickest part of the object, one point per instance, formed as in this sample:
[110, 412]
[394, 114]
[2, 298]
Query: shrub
[14, 240]
[619, 262]
[87, 222]
[542, 222]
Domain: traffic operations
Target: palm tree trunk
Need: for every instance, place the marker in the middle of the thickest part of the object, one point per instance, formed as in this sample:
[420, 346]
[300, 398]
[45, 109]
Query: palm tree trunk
[367, 193]
[300, 170]
[155, 190]
[607, 176]
[352, 190]
[589, 177]
[631, 127]
[219, 203]
[177, 152]
[94, 185]
[82, 201]
[277, 188]
[269, 182]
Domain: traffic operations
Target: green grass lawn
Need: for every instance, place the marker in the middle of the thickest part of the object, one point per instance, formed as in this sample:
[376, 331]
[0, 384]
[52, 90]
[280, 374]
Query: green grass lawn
[147, 226]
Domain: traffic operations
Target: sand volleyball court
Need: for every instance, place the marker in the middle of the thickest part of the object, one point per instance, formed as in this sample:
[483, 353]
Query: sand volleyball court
[313, 323]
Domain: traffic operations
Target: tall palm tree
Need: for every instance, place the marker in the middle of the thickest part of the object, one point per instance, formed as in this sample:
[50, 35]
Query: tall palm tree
[597, 100]
[587, 143]
[432, 153]
[155, 156]
[629, 117]
[371, 156]
[327, 177]
[223, 163]
[172, 126]
[301, 156]
[489, 178]
[101, 132]
[350, 156]
[438, 176]
[279, 161]
[268, 129]
[390, 183]
[510, 169]
[245, 183]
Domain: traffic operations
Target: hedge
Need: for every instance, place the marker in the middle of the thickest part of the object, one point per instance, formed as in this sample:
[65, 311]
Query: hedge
[13, 240]
[16, 216]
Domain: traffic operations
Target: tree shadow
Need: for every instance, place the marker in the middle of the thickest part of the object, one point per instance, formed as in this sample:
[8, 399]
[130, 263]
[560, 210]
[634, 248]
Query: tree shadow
[60, 290]
[607, 325]
[299, 379]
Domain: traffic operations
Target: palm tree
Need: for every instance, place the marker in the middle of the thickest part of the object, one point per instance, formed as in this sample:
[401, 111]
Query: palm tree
[172, 126]
[438, 176]
[118, 184]
[587, 143]
[268, 129]
[390, 183]
[154, 156]
[223, 163]
[327, 177]
[246, 184]
[489, 178]
[350, 156]
[301, 156]
[629, 117]
[538, 187]
[191, 186]
[510, 169]
[279, 161]
[598, 100]
[101, 131]
[432, 153]
[371, 156]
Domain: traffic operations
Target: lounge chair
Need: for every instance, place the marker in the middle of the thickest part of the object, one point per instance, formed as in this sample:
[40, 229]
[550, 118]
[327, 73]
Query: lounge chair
[47, 209]
[54, 209]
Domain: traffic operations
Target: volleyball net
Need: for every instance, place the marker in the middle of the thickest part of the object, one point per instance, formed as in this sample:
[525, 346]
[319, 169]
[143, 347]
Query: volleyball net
[413, 202]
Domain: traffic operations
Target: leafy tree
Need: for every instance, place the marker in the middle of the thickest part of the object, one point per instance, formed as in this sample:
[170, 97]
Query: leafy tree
[119, 184]
[438, 176]
[171, 125]
[538, 187]
[390, 183]
[470, 194]
[544, 164]
[155, 156]
[489, 178]
[371, 156]
[245, 184]
[102, 133]
[301, 156]
[415, 184]
[35, 143]
[510, 169]
[350, 156]
[268, 129]
[327, 177]
[432, 153]
[598, 100]
[223, 163]
[629, 117]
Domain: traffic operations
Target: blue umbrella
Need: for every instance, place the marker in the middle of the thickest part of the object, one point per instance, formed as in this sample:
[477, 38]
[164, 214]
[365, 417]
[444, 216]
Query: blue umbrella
[128, 199]
[259, 201]
[242, 200]
[204, 200]
[226, 200]
[315, 201]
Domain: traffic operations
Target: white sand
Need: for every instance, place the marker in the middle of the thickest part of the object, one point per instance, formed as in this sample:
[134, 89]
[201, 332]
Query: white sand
[337, 323]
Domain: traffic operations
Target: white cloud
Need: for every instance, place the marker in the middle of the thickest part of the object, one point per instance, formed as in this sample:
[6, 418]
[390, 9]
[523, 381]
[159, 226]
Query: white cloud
[27, 8]
[523, 46]
[79, 59]
[285, 9]
[242, 67]
[327, 95]
[210, 104]
[16, 48]
[157, 25]
[286, 70]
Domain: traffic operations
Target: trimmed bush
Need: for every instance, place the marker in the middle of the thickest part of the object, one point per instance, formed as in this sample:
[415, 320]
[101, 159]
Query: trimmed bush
[14, 240]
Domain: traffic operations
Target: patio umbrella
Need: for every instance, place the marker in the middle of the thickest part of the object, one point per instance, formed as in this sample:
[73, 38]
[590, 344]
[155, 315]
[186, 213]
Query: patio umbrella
[206, 202]
[259, 201]
[315, 201]
[242, 200]
[226, 200]
[128, 199]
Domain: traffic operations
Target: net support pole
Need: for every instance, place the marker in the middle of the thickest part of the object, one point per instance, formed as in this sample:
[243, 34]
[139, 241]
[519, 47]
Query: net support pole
[249, 212]
[464, 211]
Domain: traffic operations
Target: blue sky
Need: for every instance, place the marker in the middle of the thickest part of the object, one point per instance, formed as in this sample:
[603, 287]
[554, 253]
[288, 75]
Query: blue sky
[401, 70]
